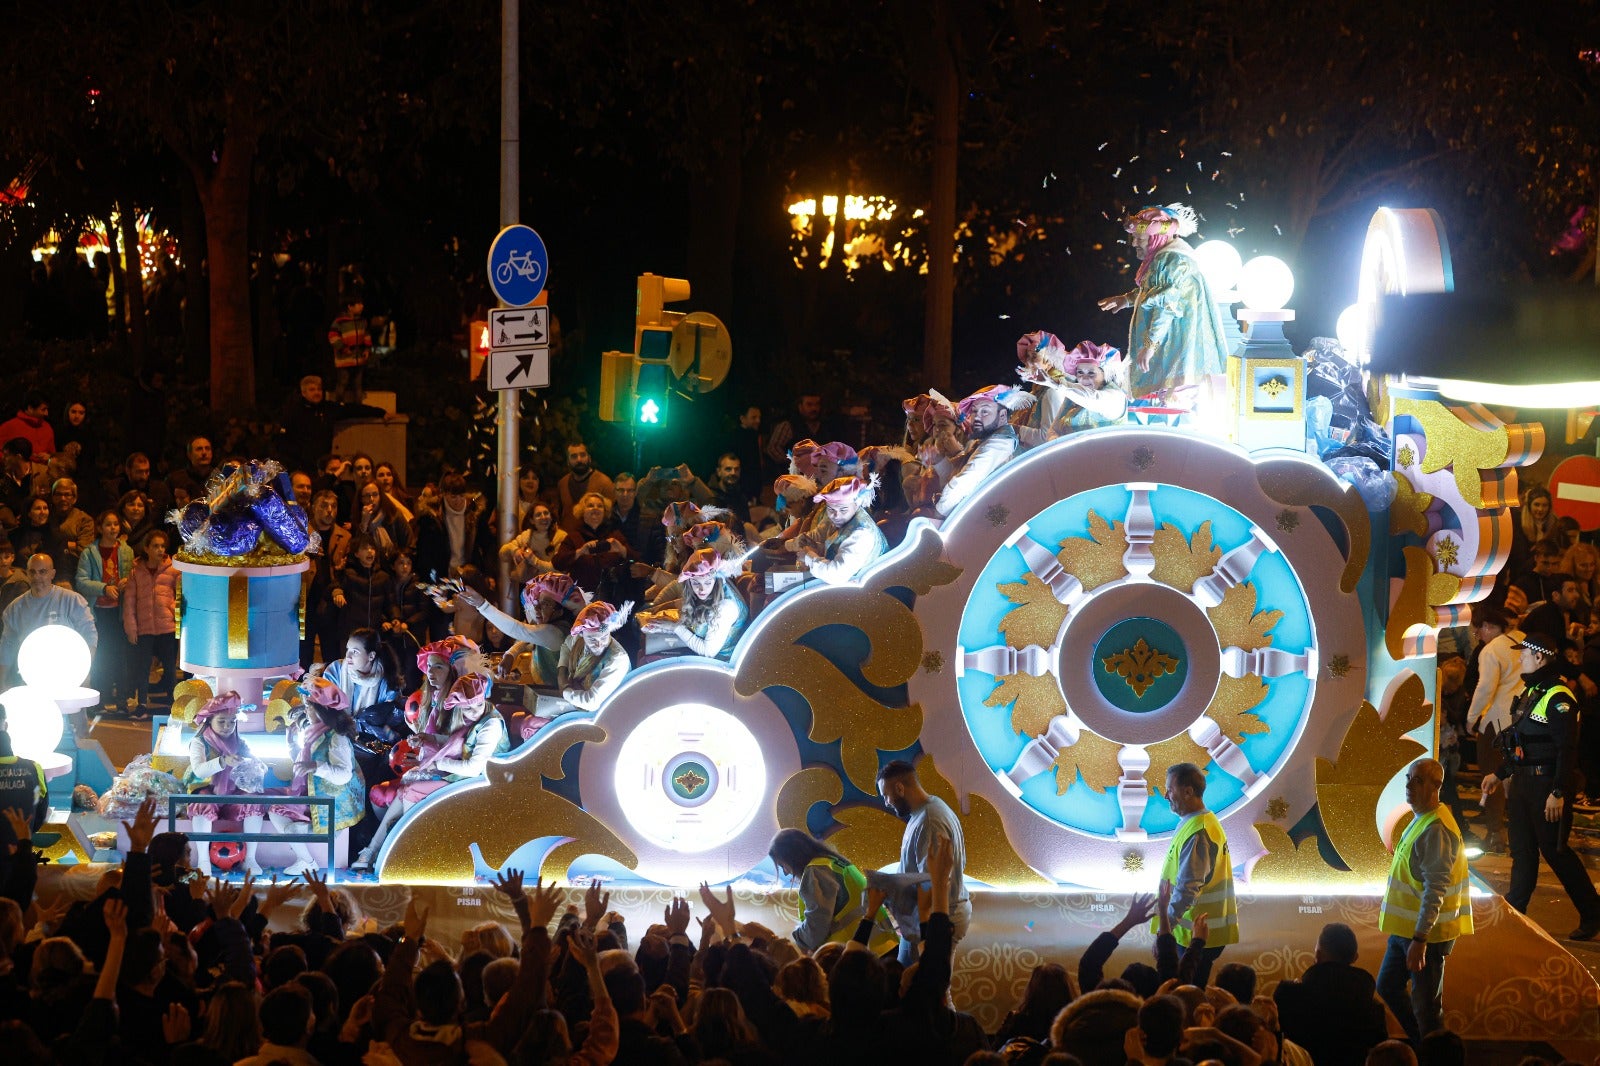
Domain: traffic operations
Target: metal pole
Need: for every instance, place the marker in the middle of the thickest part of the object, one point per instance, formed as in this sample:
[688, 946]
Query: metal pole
[510, 211]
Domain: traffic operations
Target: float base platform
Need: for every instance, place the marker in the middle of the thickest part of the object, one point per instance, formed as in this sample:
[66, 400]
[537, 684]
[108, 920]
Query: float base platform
[1508, 986]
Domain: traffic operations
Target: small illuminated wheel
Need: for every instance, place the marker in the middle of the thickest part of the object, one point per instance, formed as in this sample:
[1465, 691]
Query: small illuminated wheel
[1139, 614]
[688, 774]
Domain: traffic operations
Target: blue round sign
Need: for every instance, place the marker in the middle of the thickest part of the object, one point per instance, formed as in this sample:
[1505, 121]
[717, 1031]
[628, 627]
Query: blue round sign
[518, 266]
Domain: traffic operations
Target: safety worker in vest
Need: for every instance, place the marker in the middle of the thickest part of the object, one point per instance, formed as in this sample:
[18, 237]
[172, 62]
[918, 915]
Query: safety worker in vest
[1539, 752]
[22, 790]
[1197, 877]
[832, 893]
[1426, 907]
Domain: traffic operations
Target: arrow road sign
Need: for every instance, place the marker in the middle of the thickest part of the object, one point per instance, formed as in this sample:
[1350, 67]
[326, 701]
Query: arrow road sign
[519, 368]
[519, 327]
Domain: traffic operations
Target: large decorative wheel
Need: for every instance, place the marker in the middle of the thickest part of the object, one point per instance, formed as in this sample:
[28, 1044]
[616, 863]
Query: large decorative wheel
[1131, 600]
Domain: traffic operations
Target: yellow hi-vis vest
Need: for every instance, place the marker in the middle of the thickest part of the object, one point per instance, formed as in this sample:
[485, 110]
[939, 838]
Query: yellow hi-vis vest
[849, 911]
[1215, 900]
[1402, 900]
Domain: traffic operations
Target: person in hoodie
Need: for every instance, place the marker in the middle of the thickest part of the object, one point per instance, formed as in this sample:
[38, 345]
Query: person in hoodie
[363, 592]
[1333, 1010]
[149, 619]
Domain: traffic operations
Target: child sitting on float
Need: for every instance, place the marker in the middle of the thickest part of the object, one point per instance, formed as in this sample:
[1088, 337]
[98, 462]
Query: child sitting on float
[592, 663]
[320, 732]
[220, 764]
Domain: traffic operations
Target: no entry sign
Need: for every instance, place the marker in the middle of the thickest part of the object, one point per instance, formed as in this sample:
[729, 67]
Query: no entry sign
[1575, 491]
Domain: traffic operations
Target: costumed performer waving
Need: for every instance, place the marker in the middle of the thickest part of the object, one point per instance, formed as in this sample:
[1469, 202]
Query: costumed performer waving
[592, 663]
[550, 602]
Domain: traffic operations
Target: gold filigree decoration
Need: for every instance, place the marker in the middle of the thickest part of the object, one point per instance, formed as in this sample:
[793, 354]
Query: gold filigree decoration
[1447, 553]
[1274, 387]
[1407, 455]
[870, 835]
[1375, 748]
[1180, 561]
[840, 710]
[1143, 458]
[689, 781]
[1034, 702]
[1141, 666]
[1288, 521]
[1468, 450]
[1277, 808]
[1094, 758]
[1300, 484]
[1409, 511]
[1238, 623]
[1037, 616]
[1169, 753]
[932, 661]
[1422, 589]
[813, 785]
[1132, 862]
[997, 514]
[512, 807]
[1285, 862]
[1232, 708]
[1097, 558]
[1339, 665]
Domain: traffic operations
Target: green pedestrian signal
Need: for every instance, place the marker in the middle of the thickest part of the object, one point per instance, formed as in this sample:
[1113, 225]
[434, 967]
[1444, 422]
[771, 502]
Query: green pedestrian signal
[650, 394]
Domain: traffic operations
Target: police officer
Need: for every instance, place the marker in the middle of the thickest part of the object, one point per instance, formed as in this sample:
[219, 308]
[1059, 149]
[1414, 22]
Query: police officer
[1426, 906]
[1539, 751]
[22, 787]
[1197, 877]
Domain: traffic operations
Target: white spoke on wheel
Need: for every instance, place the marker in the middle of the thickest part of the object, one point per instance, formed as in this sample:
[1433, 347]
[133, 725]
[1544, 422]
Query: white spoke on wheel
[1140, 528]
[1040, 753]
[1043, 562]
[1133, 792]
[1268, 662]
[1001, 661]
[1231, 569]
[1228, 755]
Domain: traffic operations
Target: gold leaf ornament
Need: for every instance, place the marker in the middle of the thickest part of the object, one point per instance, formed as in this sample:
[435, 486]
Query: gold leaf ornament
[1233, 706]
[1468, 450]
[1238, 623]
[1094, 758]
[1180, 561]
[1141, 666]
[1037, 616]
[1096, 559]
[1169, 753]
[1409, 511]
[1034, 702]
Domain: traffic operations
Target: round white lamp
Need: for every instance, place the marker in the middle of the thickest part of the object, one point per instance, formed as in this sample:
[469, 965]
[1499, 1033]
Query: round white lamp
[1352, 331]
[54, 659]
[1266, 283]
[34, 722]
[1220, 263]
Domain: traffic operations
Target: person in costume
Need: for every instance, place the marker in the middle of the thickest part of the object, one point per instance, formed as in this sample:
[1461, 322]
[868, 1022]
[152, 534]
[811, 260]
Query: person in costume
[470, 734]
[832, 893]
[550, 602]
[218, 755]
[984, 416]
[1197, 877]
[1041, 365]
[1097, 393]
[442, 663]
[592, 663]
[713, 614]
[320, 734]
[850, 540]
[1175, 337]
[677, 519]
[1426, 907]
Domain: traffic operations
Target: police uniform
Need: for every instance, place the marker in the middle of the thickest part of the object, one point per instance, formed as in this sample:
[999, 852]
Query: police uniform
[1538, 756]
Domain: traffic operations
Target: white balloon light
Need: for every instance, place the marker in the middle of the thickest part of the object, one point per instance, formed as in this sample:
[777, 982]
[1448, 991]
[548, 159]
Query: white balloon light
[54, 659]
[34, 722]
[1351, 329]
[1266, 283]
[1220, 263]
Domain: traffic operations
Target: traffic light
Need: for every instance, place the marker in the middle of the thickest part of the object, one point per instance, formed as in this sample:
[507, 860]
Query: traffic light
[616, 386]
[478, 349]
[651, 386]
[652, 329]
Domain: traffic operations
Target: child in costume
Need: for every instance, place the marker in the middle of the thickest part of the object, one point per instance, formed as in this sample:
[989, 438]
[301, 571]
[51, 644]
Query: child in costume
[472, 732]
[1175, 337]
[713, 613]
[592, 663]
[320, 732]
[850, 540]
[217, 756]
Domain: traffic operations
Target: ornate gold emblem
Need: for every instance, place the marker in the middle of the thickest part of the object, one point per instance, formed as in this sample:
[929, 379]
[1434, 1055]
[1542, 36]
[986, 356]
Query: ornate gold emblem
[1132, 862]
[689, 781]
[1274, 387]
[1408, 455]
[1140, 666]
[1448, 553]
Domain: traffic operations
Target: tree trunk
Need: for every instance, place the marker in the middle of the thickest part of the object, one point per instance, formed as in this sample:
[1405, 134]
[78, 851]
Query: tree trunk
[225, 196]
[939, 314]
[132, 280]
[196, 299]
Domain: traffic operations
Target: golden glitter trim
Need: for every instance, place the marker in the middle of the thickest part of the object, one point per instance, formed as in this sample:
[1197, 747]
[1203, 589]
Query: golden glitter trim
[1375, 748]
[1141, 666]
[1467, 450]
[512, 809]
[813, 785]
[1169, 753]
[1274, 387]
[1037, 616]
[1037, 701]
[239, 615]
[932, 662]
[1298, 484]
[265, 553]
[1447, 553]
[1286, 862]
[188, 697]
[1132, 862]
[1233, 706]
[1277, 808]
[1097, 558]
[1421, 590]
[1094, 758]
[1180, 561]
[276, 716]
[870, 835]
[1407, 455]
[1409, 511]
[1238, 623]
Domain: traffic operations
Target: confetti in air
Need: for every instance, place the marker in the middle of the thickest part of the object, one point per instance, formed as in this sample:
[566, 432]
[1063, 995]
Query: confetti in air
[1278, 228]
[1234, 231]
[1117, 173]
[1102, 146]
[1228, 154]
[1004, 317]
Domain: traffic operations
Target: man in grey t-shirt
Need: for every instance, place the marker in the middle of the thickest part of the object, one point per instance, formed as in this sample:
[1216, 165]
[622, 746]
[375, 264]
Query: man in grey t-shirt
[926, 817]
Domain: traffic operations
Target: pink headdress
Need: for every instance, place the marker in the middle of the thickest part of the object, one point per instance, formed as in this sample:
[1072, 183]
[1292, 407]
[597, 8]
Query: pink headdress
[1036, 343]
[844, 457]
[1160, 225]
[685, 513]
[322, 691]
[841, 489]
[711, 534]
[928, 408]
[792, 487]
[1004, 395]
[1090, 353]
[453, 650]
[601, 617]
[556, 587]
[223, 704]
[468, 690]
[707, 563]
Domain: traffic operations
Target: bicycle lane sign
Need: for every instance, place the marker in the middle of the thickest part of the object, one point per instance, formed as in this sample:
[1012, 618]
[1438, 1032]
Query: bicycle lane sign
[518, 266]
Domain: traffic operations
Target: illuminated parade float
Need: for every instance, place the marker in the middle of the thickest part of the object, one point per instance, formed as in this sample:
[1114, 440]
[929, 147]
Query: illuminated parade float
[1098, 609]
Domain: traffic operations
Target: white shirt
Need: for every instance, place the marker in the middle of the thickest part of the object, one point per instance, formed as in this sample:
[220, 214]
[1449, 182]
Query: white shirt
[1499, 684]
[990, 455]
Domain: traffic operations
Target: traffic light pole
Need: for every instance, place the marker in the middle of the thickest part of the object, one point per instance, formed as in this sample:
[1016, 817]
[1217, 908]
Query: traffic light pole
[510, 209]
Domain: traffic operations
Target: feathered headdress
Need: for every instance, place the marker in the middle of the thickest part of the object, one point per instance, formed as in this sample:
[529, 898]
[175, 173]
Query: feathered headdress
[1171, 220]
[601, 617]
[707, 563]
[556, 587]
[851, 487]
